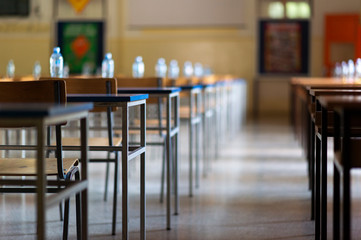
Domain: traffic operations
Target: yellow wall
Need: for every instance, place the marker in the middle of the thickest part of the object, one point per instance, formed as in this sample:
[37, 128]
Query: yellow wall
[225, 50]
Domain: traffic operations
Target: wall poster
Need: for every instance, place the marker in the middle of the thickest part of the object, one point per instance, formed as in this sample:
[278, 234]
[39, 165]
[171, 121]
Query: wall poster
[81, 44]
[284, 47]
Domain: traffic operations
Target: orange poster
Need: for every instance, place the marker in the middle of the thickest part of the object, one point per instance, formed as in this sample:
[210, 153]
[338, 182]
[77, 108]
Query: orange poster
[78, 5]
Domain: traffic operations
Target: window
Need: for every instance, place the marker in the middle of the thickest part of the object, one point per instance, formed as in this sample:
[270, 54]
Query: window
[289, 9]
[14, 8]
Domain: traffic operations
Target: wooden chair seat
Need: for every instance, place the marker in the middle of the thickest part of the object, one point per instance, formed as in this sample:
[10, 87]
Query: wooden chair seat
[94, 141]
[27, 166]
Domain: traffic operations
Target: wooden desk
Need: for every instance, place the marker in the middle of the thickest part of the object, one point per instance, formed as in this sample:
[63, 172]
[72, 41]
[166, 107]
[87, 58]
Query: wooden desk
[346, 108]
[171, 94]
[124, 101]
[320, 177]
[41, 116]
[302, 91]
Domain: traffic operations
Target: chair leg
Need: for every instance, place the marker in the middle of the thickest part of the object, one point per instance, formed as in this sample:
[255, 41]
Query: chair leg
[78, 210]
[66, 219]
[74, 172]
[336, 204]
[324, 185]
[312, 169]
[317, 188]
[61, 211]
[115, 193]
[346, 211]
[106, 180]
[163, 175]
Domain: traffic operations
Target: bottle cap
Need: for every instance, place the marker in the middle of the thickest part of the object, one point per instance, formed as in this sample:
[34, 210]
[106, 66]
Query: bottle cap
[108, 56]
[139, 59]
[161, 61]
[173, 62]
[56, 50]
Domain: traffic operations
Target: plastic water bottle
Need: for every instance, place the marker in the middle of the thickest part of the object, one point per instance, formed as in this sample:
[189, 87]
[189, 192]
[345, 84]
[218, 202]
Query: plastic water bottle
[37, 70]
[56, 63]
[108, 66]
[138, 67]
[10, 69]
[173, 72]
[344, 69]
[358, 70]
[66, 70]
[87, 69]
[198, 70]
[351, 70]
[337, 72]
[207, 71]
[161, 68]
[188, 69]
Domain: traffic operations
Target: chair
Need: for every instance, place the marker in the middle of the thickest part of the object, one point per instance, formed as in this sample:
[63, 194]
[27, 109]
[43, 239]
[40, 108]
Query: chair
[98, 86]
[62, 168]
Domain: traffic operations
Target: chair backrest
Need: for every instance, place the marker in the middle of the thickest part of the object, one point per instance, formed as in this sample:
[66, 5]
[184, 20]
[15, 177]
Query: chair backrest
[33, 91]
[90, 86]
[129, 82]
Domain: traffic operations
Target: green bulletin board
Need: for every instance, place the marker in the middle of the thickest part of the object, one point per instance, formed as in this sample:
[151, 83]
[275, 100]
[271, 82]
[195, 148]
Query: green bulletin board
[81, 43]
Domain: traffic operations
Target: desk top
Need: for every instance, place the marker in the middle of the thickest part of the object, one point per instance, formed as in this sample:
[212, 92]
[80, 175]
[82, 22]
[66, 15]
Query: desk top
[150, 90]
[39, 110]
[311, 82]
[349, 102]
[190, 87]
[106, 97]
[320, 92]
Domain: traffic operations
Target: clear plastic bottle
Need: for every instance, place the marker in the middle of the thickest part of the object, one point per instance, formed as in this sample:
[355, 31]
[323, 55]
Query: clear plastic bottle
[66, 70]
[10, 69]
[56, 63]
[173, 72]
[108, 66]
[337, 71]
[351, 70]
[138, 67]
[344, 69]
[358, 70]
[188, 69]
[198, 70]
[161, 68]
[37, 70]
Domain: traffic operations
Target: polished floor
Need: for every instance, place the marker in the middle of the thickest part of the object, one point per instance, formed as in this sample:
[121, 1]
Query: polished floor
[256, 189]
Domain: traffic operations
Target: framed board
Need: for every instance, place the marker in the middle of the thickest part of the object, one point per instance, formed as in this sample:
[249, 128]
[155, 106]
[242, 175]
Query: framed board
[283, 47]
[81, 44]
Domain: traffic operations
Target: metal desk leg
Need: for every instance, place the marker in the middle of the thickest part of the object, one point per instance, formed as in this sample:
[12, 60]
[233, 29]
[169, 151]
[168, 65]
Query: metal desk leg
[84, 175]
[142, 174]
[169, 165]
[176, 154]
[41, 181]
[198, 128]
[125, 149]
[191, 105]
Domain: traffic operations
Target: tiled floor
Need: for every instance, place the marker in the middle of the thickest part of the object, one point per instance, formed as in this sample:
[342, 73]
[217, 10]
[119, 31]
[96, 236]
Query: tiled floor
[257, 189]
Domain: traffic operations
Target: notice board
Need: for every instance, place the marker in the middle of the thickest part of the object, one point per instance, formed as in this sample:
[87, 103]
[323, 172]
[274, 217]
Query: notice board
[81, 43]
[283, 47]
